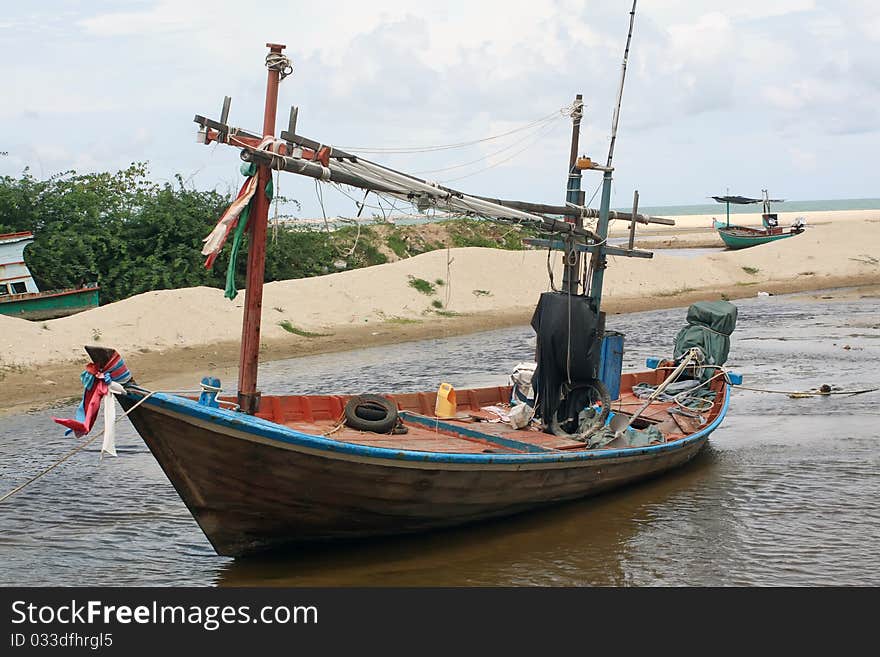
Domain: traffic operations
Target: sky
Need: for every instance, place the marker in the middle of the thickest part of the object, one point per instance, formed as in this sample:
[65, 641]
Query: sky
[720, 97]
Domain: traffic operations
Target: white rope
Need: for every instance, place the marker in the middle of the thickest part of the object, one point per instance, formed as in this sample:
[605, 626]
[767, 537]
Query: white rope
[564, 111]
[277, 61]
[382, 177]
[506, 159]
[811, 393]
[479, 159]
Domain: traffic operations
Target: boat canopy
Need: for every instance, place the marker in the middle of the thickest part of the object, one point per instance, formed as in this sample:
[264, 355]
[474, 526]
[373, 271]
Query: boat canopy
[743, 200]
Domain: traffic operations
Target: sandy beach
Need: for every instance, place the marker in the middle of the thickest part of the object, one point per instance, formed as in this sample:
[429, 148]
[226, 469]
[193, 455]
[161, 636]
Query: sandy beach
[171, 338]
[697, 231]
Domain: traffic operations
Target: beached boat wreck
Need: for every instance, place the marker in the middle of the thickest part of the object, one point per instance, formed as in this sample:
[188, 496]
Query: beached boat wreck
[262, 472]
[741, 237]
[19, 295]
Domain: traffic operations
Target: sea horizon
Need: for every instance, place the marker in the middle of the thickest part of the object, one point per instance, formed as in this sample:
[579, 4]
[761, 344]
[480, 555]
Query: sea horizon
[717, 209]
[826, 205]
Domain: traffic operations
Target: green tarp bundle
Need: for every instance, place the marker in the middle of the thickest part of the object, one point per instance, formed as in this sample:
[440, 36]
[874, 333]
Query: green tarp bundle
[709, 325]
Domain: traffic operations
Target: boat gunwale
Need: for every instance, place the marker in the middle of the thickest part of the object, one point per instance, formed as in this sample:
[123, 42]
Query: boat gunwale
[747, 231]
[289, 436]
[45, 294]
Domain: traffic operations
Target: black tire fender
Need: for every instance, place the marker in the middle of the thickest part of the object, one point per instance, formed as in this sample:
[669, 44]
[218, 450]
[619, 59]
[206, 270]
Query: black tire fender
[371, 413]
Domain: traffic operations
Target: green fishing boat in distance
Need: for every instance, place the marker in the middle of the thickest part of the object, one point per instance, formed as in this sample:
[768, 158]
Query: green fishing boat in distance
[741, 237]
[19, 295]
[49, 305]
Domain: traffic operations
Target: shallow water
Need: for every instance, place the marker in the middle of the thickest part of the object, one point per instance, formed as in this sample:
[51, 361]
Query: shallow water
[785, 493]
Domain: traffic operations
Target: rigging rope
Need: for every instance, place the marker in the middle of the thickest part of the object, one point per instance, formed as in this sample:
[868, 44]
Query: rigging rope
[485, 157]
[562, 112]
[547, 130]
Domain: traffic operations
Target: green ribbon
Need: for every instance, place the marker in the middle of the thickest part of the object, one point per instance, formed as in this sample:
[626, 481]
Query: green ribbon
[247, 169]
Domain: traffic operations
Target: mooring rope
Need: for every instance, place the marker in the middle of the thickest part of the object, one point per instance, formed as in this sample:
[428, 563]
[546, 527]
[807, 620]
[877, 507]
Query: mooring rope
[76, 450]
[791, 393]
[51, 467]
[810, 393]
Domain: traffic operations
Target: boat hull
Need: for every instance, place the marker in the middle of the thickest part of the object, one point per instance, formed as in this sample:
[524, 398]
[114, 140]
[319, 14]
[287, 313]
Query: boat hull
[255, 486]
[737, 237]
[49, 305]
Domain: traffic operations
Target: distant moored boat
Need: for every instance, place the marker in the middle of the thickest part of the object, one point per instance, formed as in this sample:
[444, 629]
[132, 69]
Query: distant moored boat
[19, 294]
[741, 237]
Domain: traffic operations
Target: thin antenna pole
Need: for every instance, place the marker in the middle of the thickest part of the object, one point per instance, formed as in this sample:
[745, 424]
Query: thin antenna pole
[599, 259]
[616, 119]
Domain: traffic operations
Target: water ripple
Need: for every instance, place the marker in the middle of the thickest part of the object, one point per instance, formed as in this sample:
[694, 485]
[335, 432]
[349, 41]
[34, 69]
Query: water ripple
[785, 494]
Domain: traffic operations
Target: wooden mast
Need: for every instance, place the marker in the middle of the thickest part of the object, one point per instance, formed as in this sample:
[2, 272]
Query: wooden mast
[248, 395]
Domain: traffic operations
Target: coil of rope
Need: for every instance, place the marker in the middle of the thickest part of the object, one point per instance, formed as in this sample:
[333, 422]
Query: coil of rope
[276, 61]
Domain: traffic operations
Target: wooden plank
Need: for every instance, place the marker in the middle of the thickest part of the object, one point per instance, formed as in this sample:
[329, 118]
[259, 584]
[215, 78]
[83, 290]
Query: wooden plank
[610, 250]
[461, 430]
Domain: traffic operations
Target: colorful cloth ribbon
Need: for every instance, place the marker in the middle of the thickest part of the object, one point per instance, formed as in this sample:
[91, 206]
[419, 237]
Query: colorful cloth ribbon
[234, 221]
[229, 220]
[96, 384]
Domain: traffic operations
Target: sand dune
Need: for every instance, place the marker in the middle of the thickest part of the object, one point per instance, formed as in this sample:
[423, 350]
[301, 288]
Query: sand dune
[476, 283]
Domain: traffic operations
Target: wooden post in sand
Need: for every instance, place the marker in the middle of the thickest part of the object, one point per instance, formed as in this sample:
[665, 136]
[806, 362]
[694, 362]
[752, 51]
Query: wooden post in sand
[632, 224]
[248, 395]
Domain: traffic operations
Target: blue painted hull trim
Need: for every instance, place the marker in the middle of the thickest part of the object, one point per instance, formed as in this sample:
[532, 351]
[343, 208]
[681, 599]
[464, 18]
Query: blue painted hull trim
[255, 426]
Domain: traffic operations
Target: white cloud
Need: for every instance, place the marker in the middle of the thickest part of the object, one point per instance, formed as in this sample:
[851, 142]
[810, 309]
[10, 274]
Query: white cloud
[118, 85]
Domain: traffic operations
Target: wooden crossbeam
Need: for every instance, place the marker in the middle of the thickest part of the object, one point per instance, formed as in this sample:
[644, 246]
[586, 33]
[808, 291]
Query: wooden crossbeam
[591, 248]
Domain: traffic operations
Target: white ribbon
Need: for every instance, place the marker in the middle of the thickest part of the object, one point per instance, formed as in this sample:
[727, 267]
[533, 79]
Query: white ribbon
[109, 402]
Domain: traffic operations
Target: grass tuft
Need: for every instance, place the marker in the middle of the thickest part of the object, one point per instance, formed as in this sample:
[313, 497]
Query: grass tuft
[402, 320]
[290, 328]
[423, 286]
[673, 293]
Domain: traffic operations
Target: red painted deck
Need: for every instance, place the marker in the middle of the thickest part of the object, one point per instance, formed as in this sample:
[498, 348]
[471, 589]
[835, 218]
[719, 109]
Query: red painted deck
[323, 415]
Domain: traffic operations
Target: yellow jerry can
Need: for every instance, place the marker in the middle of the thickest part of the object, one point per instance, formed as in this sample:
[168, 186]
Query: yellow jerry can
[446, 405]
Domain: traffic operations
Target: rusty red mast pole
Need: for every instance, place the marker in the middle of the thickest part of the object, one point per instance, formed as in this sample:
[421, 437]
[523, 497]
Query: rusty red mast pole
[248, 395]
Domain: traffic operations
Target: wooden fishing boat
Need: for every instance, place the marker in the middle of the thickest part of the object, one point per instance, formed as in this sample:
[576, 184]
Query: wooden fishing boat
[290, 474]
[260, 472]
[19, 295]
[741, 237]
